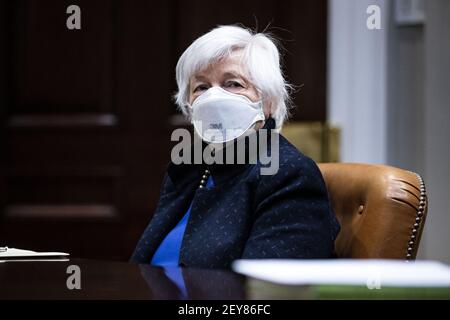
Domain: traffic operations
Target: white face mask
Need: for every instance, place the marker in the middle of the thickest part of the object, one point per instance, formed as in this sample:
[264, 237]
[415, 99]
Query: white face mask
[220, 116]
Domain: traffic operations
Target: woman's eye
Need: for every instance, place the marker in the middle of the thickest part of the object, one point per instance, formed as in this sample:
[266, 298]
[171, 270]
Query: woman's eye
[234, 84]
[201, 87]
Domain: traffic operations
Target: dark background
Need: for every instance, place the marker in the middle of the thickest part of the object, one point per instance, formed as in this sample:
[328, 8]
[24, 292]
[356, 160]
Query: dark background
[86, 115]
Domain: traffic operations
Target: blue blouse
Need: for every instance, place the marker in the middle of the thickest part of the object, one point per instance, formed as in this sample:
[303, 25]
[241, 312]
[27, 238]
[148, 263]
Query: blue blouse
[168, 252]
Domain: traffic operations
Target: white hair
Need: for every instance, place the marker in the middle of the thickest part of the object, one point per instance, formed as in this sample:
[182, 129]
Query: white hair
[260, 57]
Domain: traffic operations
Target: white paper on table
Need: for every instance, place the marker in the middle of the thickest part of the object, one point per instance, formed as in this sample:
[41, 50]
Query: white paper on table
[395, 273]
[19, 253]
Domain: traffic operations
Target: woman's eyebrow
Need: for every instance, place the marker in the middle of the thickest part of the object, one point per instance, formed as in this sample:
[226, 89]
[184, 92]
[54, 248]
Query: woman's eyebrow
[199, 78]
[231, 74]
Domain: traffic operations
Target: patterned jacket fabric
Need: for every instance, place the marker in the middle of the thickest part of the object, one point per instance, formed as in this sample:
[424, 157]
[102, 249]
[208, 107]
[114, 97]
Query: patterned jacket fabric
[246, 214]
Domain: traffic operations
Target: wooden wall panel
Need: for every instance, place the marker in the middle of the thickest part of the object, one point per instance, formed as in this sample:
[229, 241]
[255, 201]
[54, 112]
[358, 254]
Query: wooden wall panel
[50, 62]
[83, 114]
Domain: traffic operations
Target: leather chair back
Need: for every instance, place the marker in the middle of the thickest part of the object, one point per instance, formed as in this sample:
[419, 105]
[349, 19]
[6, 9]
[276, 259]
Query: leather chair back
[381, 209]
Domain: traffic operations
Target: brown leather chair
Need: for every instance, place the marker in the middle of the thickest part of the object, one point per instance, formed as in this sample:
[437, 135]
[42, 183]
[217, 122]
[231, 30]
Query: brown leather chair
[381, 209]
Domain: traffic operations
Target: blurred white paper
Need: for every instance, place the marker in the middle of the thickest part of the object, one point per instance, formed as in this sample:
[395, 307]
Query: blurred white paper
[6, 252]
[371, 273]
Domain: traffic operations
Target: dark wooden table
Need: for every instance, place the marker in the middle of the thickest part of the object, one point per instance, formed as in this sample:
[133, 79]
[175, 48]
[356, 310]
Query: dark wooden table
[113, 280]
[125, 281]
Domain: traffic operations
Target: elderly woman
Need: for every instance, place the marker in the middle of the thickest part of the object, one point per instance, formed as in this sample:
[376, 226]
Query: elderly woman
[230, 81]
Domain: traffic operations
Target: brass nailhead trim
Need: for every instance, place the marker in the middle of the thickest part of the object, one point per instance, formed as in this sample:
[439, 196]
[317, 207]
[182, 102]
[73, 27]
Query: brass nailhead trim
[418, 220]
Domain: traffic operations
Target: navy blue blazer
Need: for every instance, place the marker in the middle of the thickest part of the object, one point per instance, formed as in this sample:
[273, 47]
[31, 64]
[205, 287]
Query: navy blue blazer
[246, 214]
